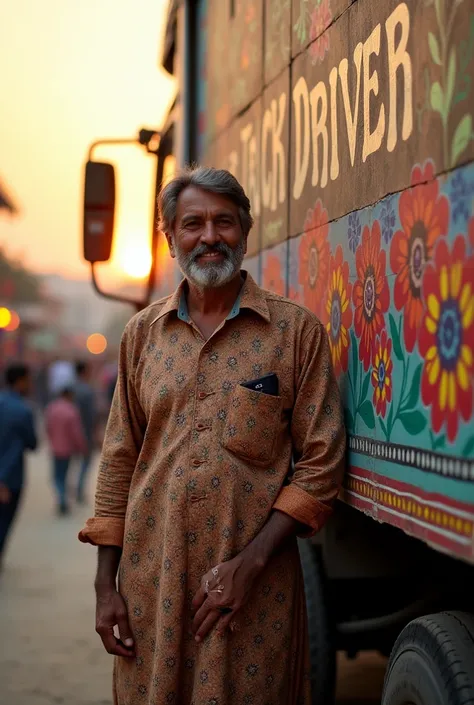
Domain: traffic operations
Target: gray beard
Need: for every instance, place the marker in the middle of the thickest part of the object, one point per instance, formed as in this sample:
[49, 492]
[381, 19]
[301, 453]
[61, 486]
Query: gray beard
[211, 275]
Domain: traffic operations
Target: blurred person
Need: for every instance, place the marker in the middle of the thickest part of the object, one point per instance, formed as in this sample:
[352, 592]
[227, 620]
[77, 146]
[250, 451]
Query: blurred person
[17, 434]
[61, 374]
[86, 400]
[198, 506]
[67, 439]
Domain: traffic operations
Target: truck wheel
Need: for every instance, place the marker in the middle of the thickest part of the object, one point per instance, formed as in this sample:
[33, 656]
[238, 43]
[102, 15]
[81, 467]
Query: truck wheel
[432, 662]
[321, 632]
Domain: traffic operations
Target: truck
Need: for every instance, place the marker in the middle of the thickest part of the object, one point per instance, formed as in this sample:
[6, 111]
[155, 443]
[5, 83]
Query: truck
[350, 125]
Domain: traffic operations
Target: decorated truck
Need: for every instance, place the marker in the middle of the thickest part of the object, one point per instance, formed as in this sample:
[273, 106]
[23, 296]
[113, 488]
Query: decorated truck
[350, 125]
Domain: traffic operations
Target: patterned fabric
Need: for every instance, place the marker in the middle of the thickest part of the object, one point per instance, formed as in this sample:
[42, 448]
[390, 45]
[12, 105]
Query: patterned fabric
[192, 466]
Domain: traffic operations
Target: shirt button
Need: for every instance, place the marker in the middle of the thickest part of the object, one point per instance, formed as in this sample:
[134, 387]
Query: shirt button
[202, 395]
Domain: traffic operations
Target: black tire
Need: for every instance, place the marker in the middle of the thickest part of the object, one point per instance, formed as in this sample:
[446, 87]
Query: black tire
[320, 626]
[432, 662]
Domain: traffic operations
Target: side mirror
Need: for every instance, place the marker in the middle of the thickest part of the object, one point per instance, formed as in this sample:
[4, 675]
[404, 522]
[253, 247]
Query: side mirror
[99, 211]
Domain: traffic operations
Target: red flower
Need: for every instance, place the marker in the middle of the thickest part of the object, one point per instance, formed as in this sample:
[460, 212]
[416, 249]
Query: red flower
[447, 336]
[338, 312]
[272, 279]
[424, 216]
[314, 257]
[321, 18]
[471, 233]
[370, 294]
[382, 373]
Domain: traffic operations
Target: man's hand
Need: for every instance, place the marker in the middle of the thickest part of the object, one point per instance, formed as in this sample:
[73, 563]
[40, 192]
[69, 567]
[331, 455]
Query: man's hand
[5, 494]
[229, 589]
[111, 611]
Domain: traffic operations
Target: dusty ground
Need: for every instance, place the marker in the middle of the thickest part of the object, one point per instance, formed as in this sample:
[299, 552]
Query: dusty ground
[50, 652]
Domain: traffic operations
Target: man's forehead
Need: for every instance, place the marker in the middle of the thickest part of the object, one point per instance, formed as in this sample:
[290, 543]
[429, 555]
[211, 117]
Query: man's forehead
[196, 200]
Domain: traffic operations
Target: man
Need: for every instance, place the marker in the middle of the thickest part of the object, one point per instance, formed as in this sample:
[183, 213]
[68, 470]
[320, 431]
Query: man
[196, 505]
[85, 398]
[66, 439]
[17, 434]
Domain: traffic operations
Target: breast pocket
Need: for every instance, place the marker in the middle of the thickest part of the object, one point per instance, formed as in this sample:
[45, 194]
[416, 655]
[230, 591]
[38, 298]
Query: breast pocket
[252, 426]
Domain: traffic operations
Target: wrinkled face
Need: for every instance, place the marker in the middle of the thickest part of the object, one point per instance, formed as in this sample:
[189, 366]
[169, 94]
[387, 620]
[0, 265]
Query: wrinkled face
[207, 239]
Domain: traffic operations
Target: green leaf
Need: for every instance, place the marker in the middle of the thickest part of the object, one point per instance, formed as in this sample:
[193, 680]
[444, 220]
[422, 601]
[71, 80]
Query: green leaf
[438, 12]
[365, 386]
[414, 395]
[468, 450]
[437, 98]
[384, 428]
[450, 82]
[367, 415]
[413, 422]
[390, 420]
[355, 361]
[439, 442]
[397, 348]
[434, 48]
[349, 419]
[461, 139]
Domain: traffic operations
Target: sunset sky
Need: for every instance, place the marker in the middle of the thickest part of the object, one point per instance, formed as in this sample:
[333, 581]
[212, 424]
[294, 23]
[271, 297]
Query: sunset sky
[74, 71]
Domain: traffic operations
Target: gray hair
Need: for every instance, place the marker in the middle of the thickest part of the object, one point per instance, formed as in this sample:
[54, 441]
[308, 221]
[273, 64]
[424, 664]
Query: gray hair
[208, 179]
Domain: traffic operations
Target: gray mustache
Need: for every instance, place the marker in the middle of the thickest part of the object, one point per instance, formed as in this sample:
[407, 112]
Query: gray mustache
[220, 248]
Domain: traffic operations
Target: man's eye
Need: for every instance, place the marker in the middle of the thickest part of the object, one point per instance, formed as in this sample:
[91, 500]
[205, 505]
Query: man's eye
[226, 222]
[192, 224]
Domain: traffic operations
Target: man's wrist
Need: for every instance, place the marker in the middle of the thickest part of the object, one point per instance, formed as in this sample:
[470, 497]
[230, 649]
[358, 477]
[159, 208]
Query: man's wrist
[104, 586]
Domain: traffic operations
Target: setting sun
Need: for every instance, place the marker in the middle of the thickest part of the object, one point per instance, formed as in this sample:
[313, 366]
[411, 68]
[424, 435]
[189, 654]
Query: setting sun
[135, 260]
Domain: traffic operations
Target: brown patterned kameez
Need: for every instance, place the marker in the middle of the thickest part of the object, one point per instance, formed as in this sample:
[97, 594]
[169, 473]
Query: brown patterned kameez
[192, 466]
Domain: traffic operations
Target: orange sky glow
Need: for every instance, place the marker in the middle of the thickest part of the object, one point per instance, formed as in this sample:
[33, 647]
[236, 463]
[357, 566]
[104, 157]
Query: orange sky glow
[73, 72]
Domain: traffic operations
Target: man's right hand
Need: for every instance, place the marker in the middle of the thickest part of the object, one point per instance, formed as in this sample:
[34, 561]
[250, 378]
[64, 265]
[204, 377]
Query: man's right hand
[5, 494]
[111, 611]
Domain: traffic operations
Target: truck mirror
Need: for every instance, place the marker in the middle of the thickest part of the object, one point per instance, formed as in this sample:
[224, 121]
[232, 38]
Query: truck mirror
[99, 211]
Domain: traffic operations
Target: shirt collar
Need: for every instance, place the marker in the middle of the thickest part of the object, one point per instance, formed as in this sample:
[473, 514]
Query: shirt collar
[251, 297]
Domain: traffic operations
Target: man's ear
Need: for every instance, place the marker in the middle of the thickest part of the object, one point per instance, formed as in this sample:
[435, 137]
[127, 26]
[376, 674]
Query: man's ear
[246, 237]
[170, 240]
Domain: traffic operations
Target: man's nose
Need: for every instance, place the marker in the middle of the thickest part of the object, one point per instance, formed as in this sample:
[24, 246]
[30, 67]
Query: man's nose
[209, 234]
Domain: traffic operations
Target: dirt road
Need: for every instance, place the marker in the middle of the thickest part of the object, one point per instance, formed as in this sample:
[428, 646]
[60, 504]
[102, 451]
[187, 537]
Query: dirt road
[50, 653]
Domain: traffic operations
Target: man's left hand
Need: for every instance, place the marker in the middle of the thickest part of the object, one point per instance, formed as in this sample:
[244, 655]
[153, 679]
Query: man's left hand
[226, 587]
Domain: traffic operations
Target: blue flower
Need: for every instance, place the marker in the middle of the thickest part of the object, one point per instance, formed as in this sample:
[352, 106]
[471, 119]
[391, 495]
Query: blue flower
[354, 231]
[387, 220]
[462, 192]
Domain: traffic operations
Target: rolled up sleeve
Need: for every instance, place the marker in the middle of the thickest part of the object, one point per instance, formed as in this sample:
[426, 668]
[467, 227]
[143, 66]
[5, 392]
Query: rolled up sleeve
[122, 444]
[318, 435]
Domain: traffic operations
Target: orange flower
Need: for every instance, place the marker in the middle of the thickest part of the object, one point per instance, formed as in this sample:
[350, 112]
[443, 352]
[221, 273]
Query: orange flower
[338, 312]
[370, 294]
[424, 216]
[314, 257]
[272, 279]
[382, 373]
[447, 336]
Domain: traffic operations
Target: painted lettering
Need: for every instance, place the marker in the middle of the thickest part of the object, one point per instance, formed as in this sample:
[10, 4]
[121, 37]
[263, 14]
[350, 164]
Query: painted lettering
[398, 57]
[319, 115]
[302, 135]
[352, 116]
[334, 137]
[267, 176]
[279, 160]
[372, 140]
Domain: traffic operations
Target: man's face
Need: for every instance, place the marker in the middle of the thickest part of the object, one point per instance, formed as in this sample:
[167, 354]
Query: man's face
[207, 240]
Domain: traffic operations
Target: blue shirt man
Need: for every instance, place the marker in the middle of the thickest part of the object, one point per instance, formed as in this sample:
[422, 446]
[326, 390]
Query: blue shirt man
[17, 434]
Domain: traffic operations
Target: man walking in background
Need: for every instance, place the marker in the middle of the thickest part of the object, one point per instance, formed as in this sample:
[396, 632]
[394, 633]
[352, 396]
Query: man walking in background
[85, 398]
[66, 439]
[17, 434]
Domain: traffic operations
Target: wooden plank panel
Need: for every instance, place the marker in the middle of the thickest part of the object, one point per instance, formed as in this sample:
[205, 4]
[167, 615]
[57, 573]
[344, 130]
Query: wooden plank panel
[310, 20]
[277, 40]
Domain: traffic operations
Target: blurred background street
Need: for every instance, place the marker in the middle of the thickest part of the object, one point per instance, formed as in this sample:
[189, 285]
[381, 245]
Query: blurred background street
[51, 653]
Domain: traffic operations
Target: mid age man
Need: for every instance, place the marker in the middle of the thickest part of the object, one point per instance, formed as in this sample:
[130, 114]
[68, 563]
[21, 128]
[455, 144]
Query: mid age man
[85, 398]
[197, 507]
[17, 434]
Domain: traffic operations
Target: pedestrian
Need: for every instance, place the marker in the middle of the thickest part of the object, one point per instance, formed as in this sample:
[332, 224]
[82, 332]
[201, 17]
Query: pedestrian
[67, 439]
[85, 398]
[17, 434]
[61, 374]
[198, 507]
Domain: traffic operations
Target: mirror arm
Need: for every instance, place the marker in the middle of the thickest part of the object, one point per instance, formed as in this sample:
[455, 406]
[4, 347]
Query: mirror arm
[112, 141]
[139, 305]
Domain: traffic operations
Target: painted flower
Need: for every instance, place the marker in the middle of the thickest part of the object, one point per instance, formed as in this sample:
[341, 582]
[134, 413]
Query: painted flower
[447, 337]
[382, 373]
[314, 257]
[354, 231]
[321, 18]
[272, 278]
[370, 294]
[338, 312]
[387, 219]
[471, 234]
[424, 216]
